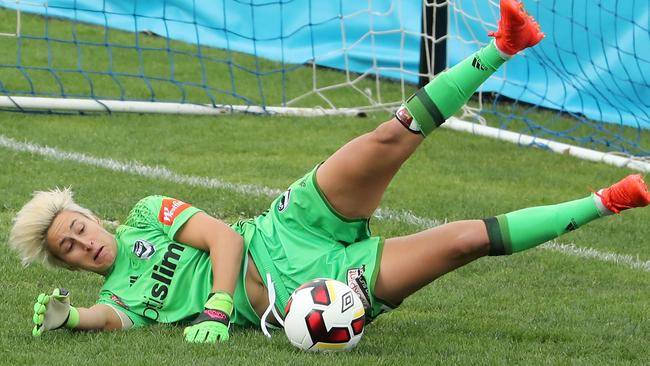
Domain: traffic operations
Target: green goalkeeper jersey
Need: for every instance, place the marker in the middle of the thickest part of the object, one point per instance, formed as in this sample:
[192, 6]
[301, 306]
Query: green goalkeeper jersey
[154, 278]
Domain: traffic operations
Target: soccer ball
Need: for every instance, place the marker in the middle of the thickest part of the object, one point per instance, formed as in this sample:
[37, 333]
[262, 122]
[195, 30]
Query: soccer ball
[324, 315]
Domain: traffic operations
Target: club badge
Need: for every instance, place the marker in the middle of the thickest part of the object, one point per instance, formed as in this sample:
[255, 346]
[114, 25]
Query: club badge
[143, 249]
[284, 201]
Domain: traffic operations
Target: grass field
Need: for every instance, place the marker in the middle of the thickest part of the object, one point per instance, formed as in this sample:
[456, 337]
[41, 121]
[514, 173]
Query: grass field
[539, 307]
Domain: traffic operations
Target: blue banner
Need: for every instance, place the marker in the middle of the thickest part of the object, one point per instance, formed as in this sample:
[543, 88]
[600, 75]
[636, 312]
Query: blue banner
[591, 63]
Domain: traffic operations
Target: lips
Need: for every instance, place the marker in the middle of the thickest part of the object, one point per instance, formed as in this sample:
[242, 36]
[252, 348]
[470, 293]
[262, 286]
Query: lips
[99, 251]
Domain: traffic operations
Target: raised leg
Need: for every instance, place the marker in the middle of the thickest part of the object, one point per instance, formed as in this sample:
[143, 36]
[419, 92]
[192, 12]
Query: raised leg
[355, 177]
[410, 262]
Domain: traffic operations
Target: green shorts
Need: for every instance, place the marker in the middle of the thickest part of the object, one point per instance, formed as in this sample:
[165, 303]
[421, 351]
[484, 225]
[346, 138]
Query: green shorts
[301, 237]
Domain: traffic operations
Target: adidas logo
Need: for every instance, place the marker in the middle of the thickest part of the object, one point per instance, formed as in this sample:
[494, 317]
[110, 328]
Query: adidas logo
[572, 225]
[132, 280]
[477, 64]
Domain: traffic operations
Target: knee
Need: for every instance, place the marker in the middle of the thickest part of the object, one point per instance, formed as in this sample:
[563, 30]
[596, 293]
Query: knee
[389, 133]
[470, 243]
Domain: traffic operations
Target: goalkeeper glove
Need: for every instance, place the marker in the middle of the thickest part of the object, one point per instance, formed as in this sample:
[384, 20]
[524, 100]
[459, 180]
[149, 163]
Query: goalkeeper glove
[53, 312]
[212, 324]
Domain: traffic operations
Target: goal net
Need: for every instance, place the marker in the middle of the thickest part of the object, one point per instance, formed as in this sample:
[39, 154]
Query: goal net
[586, 84]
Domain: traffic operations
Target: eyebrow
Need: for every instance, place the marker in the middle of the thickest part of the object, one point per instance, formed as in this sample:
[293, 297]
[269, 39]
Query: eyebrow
[71, 225]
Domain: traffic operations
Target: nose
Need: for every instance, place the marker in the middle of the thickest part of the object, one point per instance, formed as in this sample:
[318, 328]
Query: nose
[87, 244]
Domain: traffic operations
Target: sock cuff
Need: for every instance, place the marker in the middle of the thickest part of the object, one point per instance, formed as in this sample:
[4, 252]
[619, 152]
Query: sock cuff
[602, 209]
[490, 56]
[503, 55]
[497, 229]
[73, 318]
[424, 111]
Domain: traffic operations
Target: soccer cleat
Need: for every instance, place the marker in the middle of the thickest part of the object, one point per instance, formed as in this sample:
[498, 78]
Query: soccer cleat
[630, 192]
[517, 30]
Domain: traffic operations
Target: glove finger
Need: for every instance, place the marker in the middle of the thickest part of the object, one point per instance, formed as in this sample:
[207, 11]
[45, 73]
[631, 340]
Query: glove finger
[224, 337]
[39, 308]
[190, 334]
[202, 336]
[43, 299]
[38, 319]
[37, 331]
[60, 294]
[210, 337]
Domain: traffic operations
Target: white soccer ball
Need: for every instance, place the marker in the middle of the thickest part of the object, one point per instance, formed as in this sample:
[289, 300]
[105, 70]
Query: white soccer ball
[324, 315]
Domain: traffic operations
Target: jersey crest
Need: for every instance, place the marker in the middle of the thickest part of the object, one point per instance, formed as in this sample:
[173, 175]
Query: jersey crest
[284, 201]
[143, 249]
[170, 209]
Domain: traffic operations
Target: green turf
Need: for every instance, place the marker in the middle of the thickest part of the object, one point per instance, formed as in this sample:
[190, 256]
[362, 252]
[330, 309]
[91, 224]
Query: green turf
[538, 307]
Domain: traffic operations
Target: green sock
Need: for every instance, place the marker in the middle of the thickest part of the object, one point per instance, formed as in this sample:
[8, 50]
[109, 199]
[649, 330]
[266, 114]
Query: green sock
[450, 90]
[524, 229]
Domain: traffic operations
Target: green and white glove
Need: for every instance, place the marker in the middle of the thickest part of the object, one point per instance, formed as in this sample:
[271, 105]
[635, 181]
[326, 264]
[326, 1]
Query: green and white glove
[53, 312]
[212, 324]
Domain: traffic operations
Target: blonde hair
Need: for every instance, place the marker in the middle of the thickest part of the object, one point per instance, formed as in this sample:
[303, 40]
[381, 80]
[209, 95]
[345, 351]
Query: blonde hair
[28, 234]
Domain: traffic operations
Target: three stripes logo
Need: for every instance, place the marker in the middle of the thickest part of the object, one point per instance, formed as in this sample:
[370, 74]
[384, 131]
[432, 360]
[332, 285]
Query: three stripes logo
[477, 64]
[572, 225]
[132, 280]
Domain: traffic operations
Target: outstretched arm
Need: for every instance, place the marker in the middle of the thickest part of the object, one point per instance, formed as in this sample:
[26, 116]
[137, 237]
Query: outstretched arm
[99, 316]
[54, 311]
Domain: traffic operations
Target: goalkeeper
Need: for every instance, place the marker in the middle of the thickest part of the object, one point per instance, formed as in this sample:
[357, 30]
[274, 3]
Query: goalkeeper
[172, 263]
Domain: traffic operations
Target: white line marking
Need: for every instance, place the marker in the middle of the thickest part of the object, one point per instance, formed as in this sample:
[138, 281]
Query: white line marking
[136, 168]
[621, 259]
[406, 217]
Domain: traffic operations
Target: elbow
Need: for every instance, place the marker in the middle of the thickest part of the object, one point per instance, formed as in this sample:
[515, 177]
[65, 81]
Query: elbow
[109, 326]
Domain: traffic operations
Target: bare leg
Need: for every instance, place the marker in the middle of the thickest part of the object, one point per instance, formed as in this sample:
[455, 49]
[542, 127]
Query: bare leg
[355, 177]
[411, 262]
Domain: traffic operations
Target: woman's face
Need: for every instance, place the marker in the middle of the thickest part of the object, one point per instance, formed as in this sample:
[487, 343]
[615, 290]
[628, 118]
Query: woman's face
[81, 242]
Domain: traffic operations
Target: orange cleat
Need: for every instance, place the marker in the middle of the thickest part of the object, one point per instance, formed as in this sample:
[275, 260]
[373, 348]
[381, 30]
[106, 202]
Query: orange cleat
[517, 30]
[630, 192]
